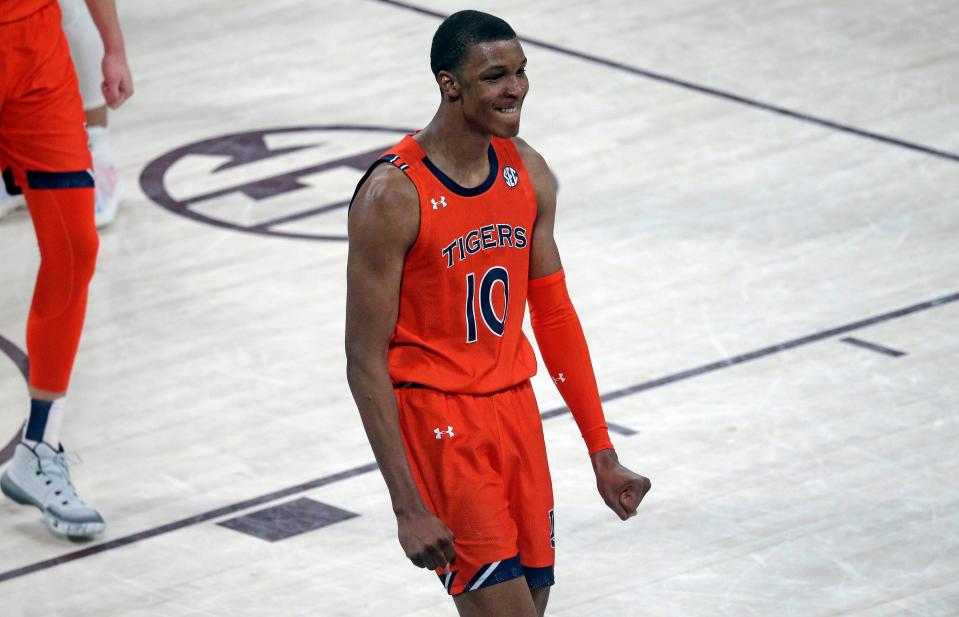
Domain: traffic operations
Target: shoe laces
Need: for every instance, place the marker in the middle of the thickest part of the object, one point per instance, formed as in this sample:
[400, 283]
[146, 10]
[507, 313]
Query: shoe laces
[56, 473]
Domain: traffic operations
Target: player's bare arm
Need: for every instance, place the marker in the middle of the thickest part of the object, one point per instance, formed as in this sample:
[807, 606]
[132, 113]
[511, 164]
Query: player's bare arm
[620, 488]
[117, 80]
[383, 225]
[544, 255]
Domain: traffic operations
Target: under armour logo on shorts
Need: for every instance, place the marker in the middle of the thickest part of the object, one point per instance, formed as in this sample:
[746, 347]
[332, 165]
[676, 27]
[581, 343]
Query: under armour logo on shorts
[559, 378]
[439, 433]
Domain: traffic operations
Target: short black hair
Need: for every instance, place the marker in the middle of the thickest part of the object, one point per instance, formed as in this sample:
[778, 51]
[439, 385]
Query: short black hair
[453, 38]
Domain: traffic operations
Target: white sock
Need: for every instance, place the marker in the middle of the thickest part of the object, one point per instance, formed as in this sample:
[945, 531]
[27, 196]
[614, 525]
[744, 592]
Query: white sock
[98, 138]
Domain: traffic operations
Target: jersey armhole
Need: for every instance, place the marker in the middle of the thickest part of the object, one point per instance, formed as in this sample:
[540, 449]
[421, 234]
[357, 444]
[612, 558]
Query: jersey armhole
[513, 157]
[396, 161]
[526, 181]
[369, 171]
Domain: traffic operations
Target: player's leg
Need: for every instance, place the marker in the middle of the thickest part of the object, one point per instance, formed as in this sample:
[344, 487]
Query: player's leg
[86, 49]
[68, 244]
[42, 136]
[540, 598]
[39, 474]
[509, 599]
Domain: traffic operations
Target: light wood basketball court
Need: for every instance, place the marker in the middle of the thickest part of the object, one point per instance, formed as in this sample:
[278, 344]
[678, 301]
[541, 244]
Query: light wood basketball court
[744, 187]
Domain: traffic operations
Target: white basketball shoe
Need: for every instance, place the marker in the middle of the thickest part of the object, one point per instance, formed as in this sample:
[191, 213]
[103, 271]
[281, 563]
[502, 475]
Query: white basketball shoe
[40, 477]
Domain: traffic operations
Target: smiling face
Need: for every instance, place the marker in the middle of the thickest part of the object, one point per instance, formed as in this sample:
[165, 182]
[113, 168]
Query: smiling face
[492, 84]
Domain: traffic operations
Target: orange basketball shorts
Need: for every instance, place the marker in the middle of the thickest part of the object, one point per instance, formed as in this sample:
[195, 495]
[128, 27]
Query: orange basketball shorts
[479, 462]
[41, 115]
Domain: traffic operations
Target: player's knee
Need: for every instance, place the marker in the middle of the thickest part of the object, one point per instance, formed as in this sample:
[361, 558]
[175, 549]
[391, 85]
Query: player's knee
[64, 274]
[84, 246]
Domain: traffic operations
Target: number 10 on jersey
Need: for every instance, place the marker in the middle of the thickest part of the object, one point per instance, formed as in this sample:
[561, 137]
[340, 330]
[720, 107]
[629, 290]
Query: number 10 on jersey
[484, 298]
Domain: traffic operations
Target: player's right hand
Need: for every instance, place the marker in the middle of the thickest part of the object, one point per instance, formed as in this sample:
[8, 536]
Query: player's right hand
[427, 542]
[117, 83]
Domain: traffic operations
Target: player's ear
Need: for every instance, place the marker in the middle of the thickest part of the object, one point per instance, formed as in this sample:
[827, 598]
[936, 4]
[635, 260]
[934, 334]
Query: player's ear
[449, 85]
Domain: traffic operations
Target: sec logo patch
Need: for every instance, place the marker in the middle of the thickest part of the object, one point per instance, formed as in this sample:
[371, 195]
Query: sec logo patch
[510, 177]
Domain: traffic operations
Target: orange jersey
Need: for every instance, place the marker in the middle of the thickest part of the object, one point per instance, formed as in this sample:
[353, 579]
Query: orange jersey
[12, 10]
[463, 294]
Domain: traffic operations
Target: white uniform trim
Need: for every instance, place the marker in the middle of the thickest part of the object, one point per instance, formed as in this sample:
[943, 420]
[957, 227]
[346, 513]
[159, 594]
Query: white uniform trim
[489, 570]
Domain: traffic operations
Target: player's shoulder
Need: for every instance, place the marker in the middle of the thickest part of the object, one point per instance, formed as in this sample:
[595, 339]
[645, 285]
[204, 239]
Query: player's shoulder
[387, 184]
[531, 157]
[386, 199]
[536, 166]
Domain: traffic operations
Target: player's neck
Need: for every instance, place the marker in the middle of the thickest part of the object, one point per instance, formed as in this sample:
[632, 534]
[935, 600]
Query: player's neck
[451, 143]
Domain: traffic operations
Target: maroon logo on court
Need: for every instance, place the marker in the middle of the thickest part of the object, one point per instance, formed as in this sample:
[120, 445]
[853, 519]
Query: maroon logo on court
[288, 182]
[19, 358]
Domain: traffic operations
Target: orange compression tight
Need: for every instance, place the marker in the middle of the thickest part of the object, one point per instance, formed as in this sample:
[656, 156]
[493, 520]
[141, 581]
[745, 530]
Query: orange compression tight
[63, 220]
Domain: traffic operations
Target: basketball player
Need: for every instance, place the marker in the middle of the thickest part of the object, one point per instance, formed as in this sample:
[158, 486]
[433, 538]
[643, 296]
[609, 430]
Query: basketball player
[86, 49]
[451, 234]
[43, 149]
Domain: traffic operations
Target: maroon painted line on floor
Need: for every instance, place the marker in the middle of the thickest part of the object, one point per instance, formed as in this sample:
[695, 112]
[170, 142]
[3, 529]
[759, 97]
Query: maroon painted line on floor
[895, 353]
[767, 351]
[17, 355]
[795, 115]
[619, 428]
[7, 452]
[186, 522]
[19, 358]
[298, 216]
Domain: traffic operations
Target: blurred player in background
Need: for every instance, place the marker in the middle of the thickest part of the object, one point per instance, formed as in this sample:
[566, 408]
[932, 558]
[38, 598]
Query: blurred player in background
[86, 49]
[44, 154]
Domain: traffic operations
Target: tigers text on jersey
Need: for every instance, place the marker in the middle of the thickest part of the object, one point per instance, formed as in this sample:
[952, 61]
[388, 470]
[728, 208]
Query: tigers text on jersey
[463, 294]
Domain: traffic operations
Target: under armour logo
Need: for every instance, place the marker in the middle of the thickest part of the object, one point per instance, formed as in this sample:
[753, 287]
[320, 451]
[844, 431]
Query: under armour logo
[439, 433]
[559, 378]
[441, 202]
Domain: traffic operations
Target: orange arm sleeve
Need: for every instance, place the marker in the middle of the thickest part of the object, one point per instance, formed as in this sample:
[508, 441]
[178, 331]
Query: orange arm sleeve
[563, 347]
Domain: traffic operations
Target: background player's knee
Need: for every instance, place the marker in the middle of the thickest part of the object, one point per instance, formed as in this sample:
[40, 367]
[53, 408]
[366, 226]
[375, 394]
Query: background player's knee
[85, 244]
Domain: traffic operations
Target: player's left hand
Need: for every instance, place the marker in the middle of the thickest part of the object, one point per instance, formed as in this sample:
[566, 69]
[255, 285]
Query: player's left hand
[621, 489]
[117, 80]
